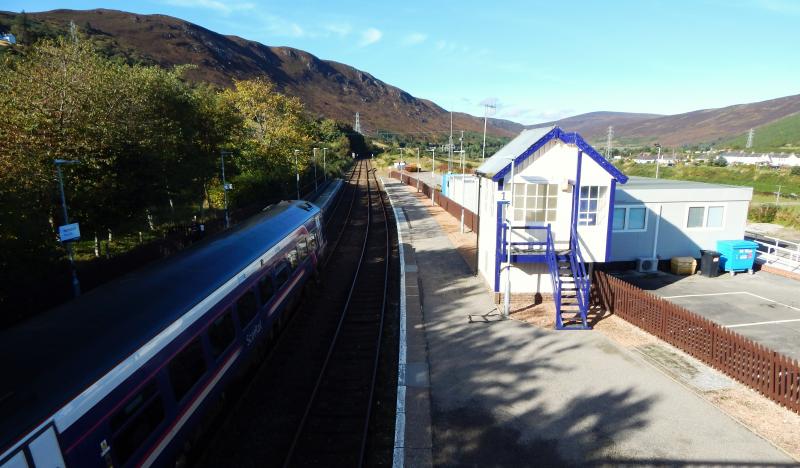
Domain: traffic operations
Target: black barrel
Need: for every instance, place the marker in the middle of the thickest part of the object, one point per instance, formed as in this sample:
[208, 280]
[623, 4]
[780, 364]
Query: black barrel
[709, 263]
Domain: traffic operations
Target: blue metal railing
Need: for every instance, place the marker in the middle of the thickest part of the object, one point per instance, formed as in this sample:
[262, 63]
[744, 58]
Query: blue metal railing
[552, 265]
[582, 281]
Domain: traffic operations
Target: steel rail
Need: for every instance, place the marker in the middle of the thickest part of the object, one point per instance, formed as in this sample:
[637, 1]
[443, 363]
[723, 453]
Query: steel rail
[340, 325]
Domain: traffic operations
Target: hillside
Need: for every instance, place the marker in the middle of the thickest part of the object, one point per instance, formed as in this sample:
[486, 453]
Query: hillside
[702, 126]
[594, 125]
[327, 88]
[780, 135]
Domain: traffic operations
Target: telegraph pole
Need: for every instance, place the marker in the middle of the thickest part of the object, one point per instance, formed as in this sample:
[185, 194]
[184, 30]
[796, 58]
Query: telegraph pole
[487, 106]
[76, 284]
[750, 136]
[658, 159]
[297, 173]
[315, 170]
[609, 139]
[224, 187]
[450, 144]
[324, 170]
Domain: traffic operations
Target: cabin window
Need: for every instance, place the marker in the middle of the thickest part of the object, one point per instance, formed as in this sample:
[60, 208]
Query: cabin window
[265, 289]
[135, 422]
[186, 368]
[705, 217]
[589, 204]
[221, 334]
[247, 307]
[630, 218]
[282, 276]
[535, 203]
[302, 249]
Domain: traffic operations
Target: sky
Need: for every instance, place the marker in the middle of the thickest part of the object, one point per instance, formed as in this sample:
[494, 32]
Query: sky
[537, 60]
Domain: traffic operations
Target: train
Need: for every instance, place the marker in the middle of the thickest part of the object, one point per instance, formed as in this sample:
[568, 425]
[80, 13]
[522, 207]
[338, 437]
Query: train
[132, 372]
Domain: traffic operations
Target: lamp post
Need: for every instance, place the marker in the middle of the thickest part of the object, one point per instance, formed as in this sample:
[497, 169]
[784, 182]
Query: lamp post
[76, 284]
[224, 187]
[658, 159]
[433, 173]
[324, 168]
[509, 214]
[417, 169]
[315, 169]
[463, 188]
[297, 173]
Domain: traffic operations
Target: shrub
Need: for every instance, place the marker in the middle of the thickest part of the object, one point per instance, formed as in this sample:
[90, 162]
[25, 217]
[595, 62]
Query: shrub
[763, 213]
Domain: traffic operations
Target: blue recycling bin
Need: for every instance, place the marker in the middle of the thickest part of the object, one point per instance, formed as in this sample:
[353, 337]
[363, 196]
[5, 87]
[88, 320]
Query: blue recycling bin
[737, 255]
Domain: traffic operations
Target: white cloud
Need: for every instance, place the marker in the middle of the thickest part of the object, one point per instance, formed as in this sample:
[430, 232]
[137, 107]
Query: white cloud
[339, 29]
[216, 5]
[415, 38]
[530, 115]
[370, 36]
[277, 26]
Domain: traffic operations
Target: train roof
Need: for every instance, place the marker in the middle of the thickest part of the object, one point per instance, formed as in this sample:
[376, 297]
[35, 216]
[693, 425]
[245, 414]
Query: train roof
[50, 359]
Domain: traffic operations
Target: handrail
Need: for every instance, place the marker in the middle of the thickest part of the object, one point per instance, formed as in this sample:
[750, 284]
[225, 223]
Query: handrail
[552, 265]
[578, 265]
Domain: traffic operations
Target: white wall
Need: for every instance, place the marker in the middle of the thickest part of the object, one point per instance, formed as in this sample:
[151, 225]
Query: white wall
[674, 238]
[469, 194]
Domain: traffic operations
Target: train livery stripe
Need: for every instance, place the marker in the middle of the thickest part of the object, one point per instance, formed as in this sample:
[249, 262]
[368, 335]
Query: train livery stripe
[189, 411]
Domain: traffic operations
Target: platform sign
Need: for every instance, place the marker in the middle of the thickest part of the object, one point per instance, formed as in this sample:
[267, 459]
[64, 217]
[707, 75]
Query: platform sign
[228, 187]
[69, 232]
[505, 195]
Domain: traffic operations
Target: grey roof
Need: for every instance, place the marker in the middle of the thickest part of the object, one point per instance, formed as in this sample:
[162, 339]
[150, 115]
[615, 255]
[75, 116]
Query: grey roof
[514, 148]
[650, 183]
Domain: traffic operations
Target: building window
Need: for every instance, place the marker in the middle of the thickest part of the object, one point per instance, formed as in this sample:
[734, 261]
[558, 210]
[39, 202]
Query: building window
[705, 217]
[589, 204]
[535, 203]
[630, 218]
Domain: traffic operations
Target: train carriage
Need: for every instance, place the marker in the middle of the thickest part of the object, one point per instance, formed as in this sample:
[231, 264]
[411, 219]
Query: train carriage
[125, 375]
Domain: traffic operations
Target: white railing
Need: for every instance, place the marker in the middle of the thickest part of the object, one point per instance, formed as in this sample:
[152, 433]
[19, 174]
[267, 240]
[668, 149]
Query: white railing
[777, 252]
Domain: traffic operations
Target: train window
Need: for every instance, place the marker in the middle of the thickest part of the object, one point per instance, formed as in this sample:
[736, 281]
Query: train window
[134, 423]
[221, 334]
[302, 249]
[282, 276]
[265, 289]
[291, 257]
[247, 307]
[186, 368]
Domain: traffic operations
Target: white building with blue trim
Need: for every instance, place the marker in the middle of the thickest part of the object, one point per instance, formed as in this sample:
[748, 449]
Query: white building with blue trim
[555, 207]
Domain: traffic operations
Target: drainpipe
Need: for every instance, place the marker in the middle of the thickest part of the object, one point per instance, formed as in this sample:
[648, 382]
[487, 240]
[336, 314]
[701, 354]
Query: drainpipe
[655, 237]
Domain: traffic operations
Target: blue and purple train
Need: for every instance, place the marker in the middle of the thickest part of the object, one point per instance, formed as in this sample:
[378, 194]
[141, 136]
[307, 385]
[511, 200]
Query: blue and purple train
[129, 373]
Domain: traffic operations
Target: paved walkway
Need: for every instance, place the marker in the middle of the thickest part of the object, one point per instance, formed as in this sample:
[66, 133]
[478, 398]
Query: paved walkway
[505, 393]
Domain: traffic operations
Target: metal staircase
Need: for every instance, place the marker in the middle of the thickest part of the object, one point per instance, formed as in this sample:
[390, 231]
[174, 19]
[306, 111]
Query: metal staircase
[570, 284]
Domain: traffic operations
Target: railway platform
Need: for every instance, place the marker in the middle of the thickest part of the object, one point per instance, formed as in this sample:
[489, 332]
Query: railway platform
[491, 392]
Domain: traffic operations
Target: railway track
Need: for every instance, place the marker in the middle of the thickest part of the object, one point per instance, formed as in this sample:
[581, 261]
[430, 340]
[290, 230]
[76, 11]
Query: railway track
[335, 424]
[311, 400]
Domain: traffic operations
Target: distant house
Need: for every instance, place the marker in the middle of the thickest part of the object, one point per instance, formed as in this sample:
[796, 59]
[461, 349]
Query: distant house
[647, 158]
[743, 157]
[784, 160]
[8, 38]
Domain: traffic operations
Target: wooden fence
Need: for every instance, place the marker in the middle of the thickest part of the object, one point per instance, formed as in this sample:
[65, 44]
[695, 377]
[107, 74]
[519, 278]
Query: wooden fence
[448, 204]
[762, 369]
